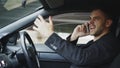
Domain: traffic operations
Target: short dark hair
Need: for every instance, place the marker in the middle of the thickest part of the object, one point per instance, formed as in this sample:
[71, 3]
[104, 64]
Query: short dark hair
[107, 12]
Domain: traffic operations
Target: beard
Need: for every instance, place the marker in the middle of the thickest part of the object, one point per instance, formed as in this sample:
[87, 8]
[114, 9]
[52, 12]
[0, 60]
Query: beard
[98, 31]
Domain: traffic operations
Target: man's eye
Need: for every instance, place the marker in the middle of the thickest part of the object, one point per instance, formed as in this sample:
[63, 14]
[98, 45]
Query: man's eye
[97, 18]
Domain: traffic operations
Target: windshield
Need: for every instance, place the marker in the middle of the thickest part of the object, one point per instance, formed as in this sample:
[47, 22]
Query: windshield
[12, 10]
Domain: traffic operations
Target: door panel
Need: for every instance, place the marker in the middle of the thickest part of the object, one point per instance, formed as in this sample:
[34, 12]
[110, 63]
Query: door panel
[50, 59]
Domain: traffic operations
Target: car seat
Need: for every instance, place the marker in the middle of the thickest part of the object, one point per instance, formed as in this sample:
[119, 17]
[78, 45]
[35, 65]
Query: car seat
[116, 61]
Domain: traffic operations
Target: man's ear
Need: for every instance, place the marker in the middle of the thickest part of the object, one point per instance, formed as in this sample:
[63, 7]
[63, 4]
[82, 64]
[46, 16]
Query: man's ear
[108, 23]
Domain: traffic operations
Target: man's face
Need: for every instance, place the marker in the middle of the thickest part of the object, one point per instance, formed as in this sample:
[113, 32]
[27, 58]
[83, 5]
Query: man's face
[97, 23]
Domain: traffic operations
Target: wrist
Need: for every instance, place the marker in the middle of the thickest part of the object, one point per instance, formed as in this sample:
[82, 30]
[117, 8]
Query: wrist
[49, 34]
[45, 37]
[73, 37]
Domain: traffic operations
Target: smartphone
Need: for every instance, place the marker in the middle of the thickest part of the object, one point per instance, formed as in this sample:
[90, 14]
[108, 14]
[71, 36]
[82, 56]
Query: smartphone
[87, 28]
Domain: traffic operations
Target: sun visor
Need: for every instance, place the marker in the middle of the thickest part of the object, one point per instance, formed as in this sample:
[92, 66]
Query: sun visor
[51, 4]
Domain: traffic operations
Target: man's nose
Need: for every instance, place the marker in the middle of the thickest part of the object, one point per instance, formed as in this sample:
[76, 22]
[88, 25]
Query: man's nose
[91, 22]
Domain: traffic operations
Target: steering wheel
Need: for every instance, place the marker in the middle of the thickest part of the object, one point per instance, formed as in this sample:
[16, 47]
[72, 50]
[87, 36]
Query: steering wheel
[29, 50]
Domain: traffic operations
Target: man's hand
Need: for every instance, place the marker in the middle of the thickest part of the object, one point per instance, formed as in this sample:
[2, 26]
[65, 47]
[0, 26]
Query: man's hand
[79, 31]
[44, 28]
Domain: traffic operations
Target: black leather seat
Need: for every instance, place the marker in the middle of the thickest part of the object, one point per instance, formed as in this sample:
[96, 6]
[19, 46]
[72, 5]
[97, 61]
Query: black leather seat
[116, 61]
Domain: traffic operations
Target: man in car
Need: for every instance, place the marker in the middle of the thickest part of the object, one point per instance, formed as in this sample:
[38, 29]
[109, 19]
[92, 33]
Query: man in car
[97, 53]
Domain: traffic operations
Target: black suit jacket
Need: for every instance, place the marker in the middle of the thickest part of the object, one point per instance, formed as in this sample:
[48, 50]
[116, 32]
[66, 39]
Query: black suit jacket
[98, 54]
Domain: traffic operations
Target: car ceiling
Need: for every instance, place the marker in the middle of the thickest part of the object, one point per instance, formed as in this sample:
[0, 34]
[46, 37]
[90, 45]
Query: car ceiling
[83, 5]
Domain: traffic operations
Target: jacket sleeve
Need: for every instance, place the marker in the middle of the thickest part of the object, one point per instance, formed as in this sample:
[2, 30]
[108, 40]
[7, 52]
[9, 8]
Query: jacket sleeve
[93, 55]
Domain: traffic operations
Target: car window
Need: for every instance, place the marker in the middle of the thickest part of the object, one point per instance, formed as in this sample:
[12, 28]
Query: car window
[13, 10]
[64, 25]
